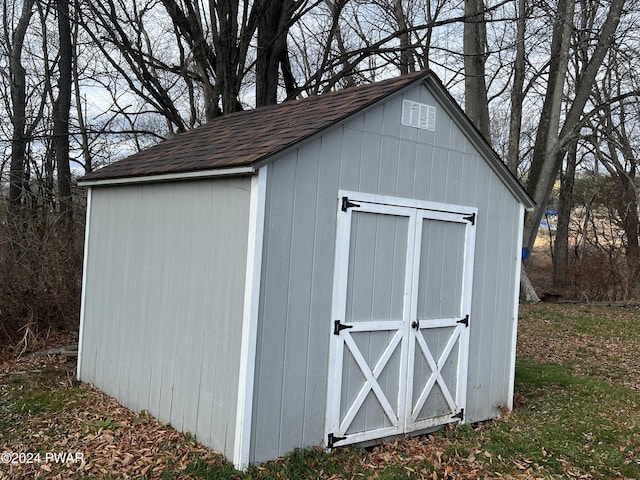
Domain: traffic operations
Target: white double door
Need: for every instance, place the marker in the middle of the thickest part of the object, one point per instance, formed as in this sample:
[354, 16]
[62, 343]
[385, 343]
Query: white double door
[400, 317]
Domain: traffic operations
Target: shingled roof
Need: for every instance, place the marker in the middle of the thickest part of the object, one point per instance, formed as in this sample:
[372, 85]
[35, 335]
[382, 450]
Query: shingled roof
[240, 143]
[247, 138]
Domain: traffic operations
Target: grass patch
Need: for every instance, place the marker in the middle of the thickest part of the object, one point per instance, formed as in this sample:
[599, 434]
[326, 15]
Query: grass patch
[26, 399]
[36, 394]
[569, 425]
[594, 341]
[47, 402]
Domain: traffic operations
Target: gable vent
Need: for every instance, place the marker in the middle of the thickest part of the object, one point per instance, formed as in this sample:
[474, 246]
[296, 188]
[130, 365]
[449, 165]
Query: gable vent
[419, 115]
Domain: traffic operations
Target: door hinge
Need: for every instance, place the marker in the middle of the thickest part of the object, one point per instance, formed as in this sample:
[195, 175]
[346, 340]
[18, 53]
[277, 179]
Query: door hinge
[464, 321]
[337, 326]
[331, 440]
[459, 415]
[346, 204]
[471, 218]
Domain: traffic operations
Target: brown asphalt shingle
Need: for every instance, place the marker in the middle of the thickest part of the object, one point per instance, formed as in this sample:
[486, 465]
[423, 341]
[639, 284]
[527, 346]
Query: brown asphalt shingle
[249, 137]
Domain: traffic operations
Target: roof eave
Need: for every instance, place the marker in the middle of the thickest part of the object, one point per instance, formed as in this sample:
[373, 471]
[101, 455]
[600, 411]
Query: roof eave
[169, 177]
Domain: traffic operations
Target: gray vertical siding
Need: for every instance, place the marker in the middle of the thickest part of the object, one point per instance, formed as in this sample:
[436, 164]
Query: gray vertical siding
[164, 292]
[371, 153]
[441, 270]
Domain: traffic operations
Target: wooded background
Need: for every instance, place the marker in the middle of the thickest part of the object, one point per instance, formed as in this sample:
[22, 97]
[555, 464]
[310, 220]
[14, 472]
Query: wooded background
[553, 85]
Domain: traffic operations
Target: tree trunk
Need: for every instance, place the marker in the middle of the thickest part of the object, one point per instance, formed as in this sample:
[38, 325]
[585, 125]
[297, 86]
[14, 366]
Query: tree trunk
[527, 292]
[626, 200]
[231, 41]
[61, 110]
[406, 55]
[561, 247]
[476, 99]
[630, 215]
[273, 28]
[517, 93]
[187, 24]
[632, 232]
[19, 140]
[475, 51]
[632, 227]
[335, 31]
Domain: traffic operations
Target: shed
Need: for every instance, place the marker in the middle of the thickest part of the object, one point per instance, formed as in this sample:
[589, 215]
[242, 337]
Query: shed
[327, 271]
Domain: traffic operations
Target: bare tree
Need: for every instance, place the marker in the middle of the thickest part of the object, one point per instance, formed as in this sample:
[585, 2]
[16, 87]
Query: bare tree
[273, 53]
[517, 89]
[565, 208]
[406, 53]
[14, 43]
[475, 52]
[618, 152]
[62, 107]
[83, 132]
[552, 140]
[119, 33]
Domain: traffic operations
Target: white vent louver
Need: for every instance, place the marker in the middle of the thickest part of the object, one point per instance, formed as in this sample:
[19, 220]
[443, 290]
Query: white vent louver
[419, 115]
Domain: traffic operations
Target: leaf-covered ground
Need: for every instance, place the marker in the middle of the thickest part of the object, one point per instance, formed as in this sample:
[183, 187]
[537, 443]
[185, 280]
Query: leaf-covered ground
[576, 416]
[598, 341]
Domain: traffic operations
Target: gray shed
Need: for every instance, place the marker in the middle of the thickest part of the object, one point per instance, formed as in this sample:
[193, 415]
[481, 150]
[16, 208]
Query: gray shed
[332, 270]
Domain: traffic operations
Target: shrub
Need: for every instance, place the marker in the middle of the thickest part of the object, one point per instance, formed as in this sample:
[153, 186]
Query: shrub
[40, 273]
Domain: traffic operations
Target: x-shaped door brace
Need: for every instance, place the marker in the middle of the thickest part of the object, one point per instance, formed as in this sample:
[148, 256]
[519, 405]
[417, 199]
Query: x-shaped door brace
[371, 380]
[436, 368]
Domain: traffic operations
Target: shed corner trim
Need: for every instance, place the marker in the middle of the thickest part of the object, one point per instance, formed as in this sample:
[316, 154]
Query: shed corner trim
[83, 301]
[242, 439]
[515, 312]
